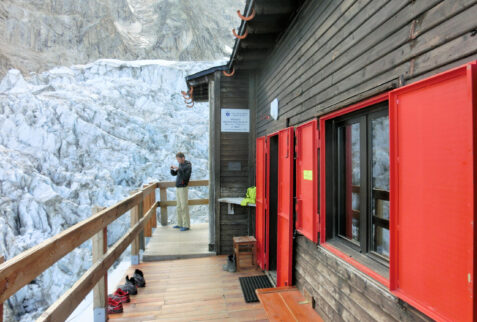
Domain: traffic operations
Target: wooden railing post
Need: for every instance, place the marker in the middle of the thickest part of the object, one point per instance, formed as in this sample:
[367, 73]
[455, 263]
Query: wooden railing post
[2, 259]
[100, 290]
[142, 243]
[154, 216]
[147, 206]
[135, 242]
[163, 200]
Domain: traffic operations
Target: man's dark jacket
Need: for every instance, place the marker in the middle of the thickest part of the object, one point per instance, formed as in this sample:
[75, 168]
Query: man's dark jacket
[183, 174]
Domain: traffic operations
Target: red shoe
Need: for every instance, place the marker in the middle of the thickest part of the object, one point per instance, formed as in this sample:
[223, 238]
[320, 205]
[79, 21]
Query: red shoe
[114, 306]
[120, 296]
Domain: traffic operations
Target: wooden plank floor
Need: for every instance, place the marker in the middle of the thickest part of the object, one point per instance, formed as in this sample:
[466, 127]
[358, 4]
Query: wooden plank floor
[195, 289]
[168, 243]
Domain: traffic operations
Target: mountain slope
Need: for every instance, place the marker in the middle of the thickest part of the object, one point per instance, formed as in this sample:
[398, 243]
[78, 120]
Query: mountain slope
[41, 34]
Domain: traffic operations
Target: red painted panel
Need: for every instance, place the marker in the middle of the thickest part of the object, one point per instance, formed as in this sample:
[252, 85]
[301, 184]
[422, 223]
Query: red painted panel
[432, 194]
[306, 180]
[260, 200]
[285, 207]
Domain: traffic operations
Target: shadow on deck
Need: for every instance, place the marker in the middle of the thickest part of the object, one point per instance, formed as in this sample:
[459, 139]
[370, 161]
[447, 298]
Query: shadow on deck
[168, 243]
[190, 290]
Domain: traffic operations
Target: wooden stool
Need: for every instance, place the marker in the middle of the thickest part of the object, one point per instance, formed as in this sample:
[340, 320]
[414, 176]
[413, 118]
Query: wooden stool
[247, 243]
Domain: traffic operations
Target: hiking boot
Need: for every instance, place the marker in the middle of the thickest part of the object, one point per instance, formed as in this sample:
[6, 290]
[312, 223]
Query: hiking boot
[229, 262]
[120, 296]
[139, 278]
[177, 227]
[130, 286]
[184, 228]
[114, 306]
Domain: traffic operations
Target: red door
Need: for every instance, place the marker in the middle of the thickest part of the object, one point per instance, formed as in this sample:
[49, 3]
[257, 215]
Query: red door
[306, 180]
[260, 200]
[285, 207]
[432, 220]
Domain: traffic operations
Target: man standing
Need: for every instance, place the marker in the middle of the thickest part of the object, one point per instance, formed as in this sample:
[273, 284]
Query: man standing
[183, 173]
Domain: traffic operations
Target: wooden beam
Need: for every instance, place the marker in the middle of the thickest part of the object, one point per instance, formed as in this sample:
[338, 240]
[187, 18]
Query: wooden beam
[172, 184]
[134, 219]
[100, 290]
[25, 267]
[142, 242]
[147, 204]
[67, 303]
[262, 41]
[266, 27]
[252, 54]
[173, 203]
[154, 216]
[215, 159]
[163, 199]
[273, 7]
[249, 64]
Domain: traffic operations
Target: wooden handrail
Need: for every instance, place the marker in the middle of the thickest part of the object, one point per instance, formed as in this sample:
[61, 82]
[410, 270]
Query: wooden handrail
[25, 267]
[194, 183]
[164, 203]
[194, 202]
[67, 303]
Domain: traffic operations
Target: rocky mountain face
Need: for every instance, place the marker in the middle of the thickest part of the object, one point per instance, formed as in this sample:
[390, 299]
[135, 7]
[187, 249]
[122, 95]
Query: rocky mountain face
[37, 35]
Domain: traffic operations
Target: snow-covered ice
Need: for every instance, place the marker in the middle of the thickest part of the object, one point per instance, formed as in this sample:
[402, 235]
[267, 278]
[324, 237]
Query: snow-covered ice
[71, 138]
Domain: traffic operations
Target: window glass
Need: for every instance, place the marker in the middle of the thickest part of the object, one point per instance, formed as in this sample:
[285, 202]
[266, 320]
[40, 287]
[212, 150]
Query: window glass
[359, 188]
[380, 184]
[349, 136]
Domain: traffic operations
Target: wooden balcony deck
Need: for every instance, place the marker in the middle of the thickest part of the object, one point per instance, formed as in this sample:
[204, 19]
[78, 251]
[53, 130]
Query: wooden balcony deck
[195, 289]
[168, 243]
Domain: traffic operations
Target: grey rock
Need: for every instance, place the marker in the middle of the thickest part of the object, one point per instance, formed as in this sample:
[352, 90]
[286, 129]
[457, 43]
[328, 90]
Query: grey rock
[38, 35]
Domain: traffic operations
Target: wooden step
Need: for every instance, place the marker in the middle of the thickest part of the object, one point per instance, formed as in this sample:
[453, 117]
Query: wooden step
[286, 304]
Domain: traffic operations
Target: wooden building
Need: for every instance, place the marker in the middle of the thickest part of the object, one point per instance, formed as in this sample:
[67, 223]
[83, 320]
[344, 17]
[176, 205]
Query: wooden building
[360, 140]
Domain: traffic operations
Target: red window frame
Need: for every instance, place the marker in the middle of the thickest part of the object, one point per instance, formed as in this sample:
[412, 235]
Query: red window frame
[358, 106]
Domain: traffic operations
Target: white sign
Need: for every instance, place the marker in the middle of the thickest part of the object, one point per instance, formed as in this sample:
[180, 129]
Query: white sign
[274, 109]
[235, 120]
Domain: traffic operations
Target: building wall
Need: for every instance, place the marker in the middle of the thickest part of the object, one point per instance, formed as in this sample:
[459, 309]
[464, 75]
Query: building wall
[343, 293]
[337, 53]
[234, 147]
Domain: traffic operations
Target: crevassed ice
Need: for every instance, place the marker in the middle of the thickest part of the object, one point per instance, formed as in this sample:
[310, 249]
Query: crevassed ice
[85, 135]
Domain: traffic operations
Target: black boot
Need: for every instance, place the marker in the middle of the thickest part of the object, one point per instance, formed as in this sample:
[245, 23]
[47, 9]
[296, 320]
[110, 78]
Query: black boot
[232, 266]
[229, 263]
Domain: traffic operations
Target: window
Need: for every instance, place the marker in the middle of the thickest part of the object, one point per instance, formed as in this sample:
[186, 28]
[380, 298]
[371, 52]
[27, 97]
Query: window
[359, 186]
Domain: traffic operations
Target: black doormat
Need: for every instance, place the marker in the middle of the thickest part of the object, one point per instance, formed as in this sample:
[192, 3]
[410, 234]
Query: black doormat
[250, 284]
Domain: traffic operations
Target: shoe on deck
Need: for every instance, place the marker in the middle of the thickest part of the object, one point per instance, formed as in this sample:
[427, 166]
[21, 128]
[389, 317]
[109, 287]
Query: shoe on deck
[139, 278]
[120, 296]
[184, 228]
[177, 227]
[114, 306]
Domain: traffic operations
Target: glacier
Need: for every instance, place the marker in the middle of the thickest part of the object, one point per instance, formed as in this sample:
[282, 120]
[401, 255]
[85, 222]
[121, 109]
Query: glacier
[74, 137]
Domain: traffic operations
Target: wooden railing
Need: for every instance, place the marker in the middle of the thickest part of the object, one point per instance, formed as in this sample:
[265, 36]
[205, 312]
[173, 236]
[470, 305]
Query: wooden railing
[164, 203]
[25, 267]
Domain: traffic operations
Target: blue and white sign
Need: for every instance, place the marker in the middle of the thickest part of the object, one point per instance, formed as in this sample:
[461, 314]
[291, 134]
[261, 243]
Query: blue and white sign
[235, 120]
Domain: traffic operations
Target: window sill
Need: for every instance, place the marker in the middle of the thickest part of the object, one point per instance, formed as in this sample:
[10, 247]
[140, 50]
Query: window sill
[365, 264]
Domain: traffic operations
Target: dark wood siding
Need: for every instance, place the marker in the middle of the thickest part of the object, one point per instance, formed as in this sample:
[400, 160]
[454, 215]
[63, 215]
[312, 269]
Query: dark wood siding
[339, 52]
[234, 147]
[341, 292]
